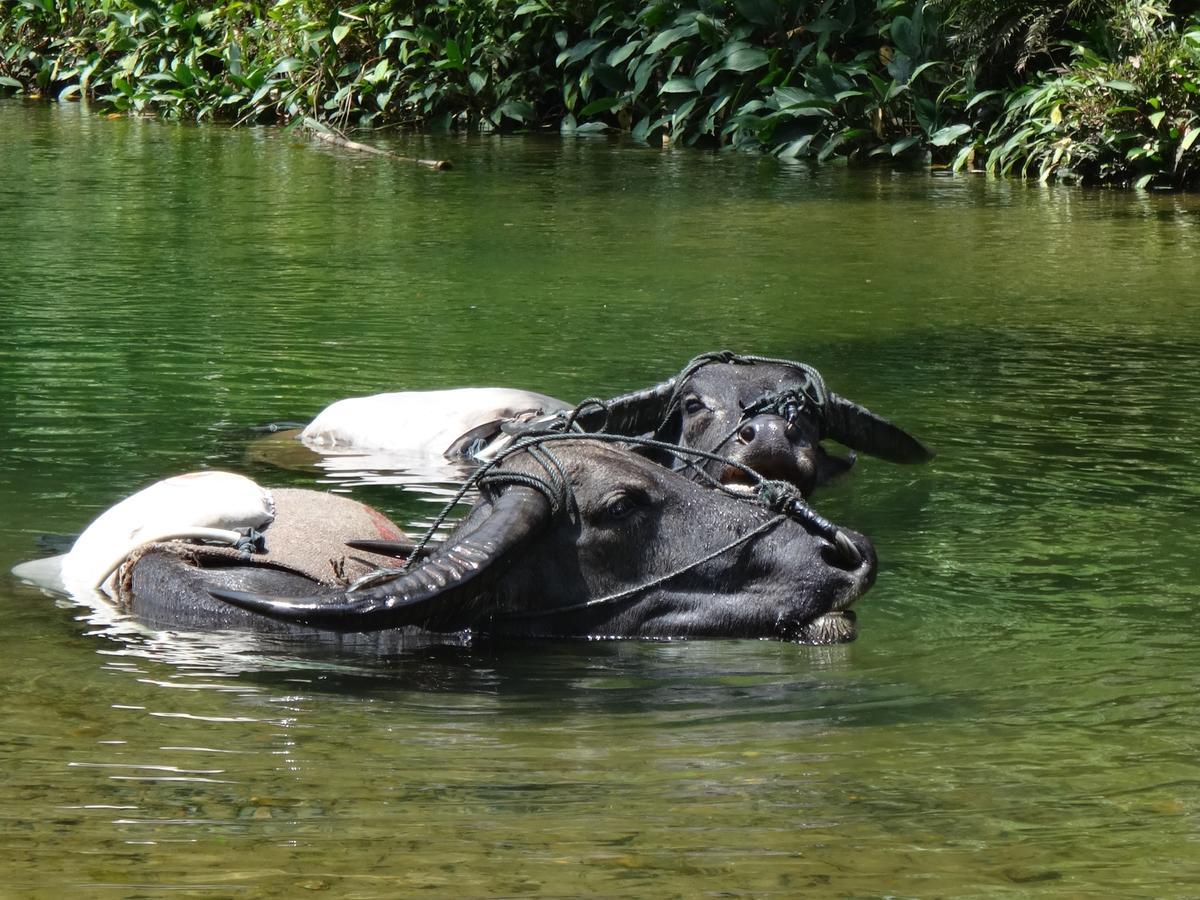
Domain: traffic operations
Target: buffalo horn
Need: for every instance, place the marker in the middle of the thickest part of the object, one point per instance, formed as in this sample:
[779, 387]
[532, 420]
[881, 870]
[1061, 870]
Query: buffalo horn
[639, 412]
[441, 593]
[860, 429]
[397, 550]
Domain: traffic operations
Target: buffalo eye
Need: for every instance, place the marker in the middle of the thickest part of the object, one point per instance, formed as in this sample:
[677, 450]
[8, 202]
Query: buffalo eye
[692, 405]
[623, 504]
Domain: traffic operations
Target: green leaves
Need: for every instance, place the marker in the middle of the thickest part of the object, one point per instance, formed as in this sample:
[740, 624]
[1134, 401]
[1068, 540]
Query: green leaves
[679, 86]
[604, 104]
[745, 59]
[735, 75]
[944, 137]
[820, 79]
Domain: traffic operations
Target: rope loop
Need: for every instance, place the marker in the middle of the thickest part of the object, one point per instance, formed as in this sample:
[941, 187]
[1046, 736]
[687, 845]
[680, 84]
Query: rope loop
[783, 498]
[537, 438]
[789, 405]
[812, 395]
[584, 406]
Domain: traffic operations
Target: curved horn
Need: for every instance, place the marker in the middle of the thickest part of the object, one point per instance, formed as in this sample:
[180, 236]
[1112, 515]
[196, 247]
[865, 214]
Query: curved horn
[860, 429]
[402, 549]
[632, 414]
[442, 593]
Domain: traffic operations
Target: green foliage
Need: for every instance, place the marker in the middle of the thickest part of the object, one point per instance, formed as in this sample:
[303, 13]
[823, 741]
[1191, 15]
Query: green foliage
[1112, 96]
[128, 55]
[796, 78]
[1133, 119]
[1007, 34]
[368, 63]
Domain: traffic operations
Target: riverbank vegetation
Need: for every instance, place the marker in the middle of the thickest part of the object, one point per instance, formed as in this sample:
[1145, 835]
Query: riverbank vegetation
[1102, 91]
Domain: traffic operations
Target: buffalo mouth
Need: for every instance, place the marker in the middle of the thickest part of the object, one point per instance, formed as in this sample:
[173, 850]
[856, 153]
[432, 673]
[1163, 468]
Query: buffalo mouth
[737, 480]
[839, 623]
[787, 469]
[837, 627]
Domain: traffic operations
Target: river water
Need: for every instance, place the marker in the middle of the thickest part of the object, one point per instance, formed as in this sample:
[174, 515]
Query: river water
[1019, 716]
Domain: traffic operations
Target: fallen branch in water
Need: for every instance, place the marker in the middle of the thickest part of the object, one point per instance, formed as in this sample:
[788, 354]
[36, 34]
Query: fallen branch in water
[325, 133]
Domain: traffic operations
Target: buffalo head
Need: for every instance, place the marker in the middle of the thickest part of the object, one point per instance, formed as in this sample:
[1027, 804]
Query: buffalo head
[770, 415]
[575, 536]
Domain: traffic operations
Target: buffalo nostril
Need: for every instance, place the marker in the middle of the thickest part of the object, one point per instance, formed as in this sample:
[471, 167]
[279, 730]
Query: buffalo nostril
[747, 434]
[843, 553]
[849, 552]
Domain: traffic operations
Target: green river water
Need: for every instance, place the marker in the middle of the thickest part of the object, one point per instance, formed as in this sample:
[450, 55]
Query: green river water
[1019, 716]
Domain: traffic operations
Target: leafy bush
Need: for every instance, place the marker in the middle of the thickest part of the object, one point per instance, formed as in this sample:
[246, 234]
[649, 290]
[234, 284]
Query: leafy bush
[810, 79]
[370, 63]
[1112, 97]
[1130, 119]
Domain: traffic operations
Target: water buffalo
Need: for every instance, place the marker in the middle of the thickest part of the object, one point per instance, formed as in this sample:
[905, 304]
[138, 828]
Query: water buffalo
[570, 537]
[769, 414]
[215, 520]
[454, 424]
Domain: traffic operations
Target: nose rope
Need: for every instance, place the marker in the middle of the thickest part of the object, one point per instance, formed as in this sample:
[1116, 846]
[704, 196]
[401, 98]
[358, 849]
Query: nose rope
[534, 438]
[789, 404]
[812, 394]
[814, 384]
[780, 497]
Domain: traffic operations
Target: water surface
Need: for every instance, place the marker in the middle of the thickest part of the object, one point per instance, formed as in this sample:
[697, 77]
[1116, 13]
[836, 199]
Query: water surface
[1017, 718]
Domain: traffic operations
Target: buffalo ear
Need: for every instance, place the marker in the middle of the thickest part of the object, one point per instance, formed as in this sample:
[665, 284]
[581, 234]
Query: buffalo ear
[860, 429]
[831, 465]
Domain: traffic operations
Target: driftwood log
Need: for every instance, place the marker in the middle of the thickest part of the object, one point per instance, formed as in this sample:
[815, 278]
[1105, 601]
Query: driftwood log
[332, 137]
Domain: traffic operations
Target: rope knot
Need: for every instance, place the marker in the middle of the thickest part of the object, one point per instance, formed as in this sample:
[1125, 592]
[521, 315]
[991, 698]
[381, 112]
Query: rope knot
[789, 405]
[777, 496]
[782, 497]
[251, 541]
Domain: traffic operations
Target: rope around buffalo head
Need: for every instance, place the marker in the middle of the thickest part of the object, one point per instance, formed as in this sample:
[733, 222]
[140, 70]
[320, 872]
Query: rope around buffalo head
[810, 397]
[812, 389]
[779, 497]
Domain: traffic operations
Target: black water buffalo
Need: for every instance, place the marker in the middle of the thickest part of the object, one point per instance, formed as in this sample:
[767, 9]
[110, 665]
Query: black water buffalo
[767, 414]
[153, 553]
[570, 537]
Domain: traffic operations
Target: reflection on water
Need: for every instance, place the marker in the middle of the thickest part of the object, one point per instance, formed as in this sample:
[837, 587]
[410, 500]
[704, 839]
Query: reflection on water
[1017, 717]
[434, 477]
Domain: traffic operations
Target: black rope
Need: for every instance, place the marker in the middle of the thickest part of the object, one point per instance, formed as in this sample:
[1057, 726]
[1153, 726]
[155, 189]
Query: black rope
[636, 590]
[789, 404]
[812, 397]
[814, 384]
[778, 496]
